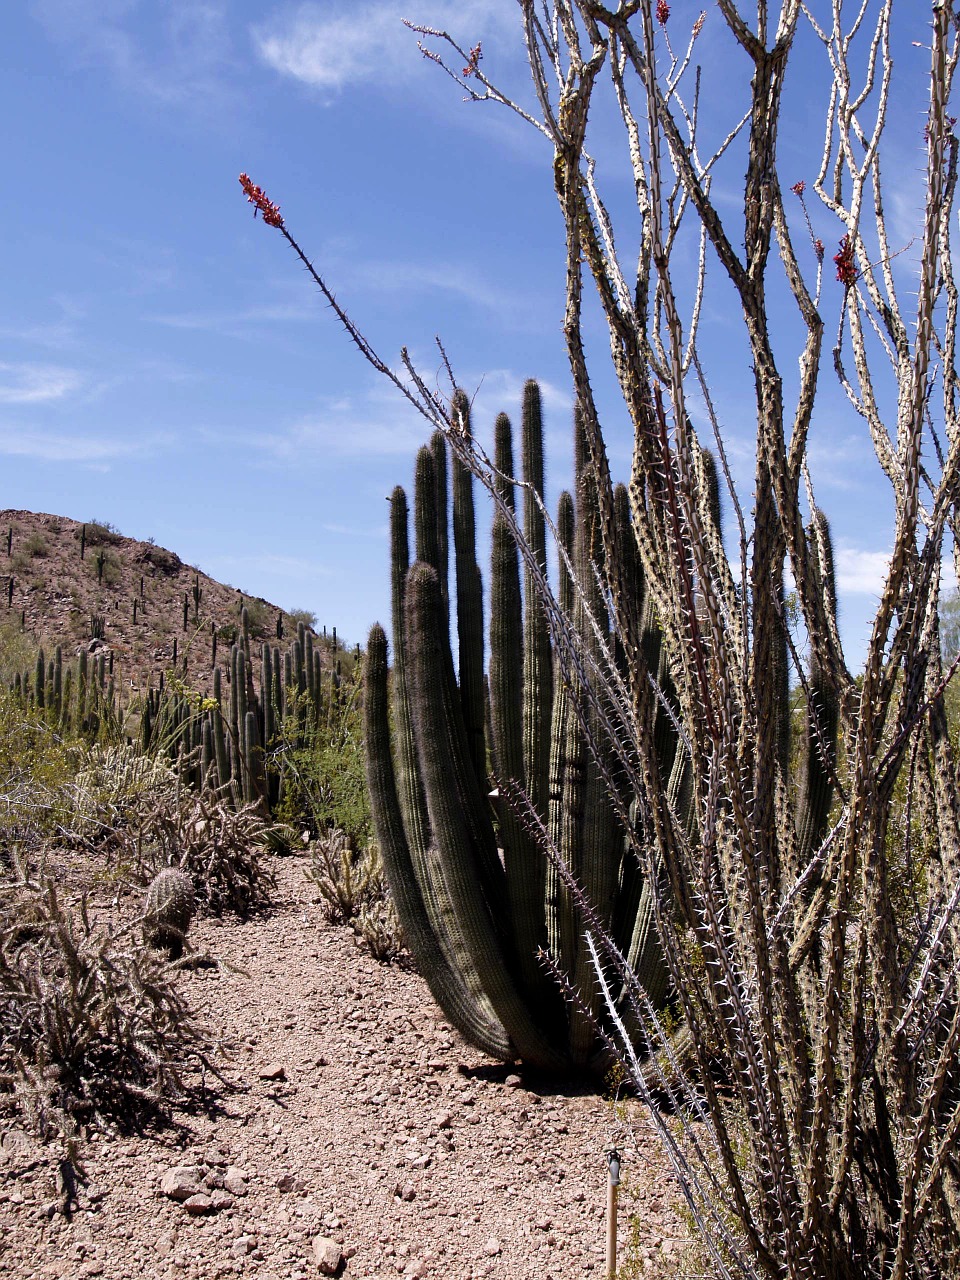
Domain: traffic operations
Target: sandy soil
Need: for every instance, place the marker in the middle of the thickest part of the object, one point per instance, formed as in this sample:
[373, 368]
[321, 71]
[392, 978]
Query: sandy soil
[356, 1115]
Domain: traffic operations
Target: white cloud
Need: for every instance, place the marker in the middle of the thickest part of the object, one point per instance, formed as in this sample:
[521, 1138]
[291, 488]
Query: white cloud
[36, 383]
[321, 47]
[861, 572]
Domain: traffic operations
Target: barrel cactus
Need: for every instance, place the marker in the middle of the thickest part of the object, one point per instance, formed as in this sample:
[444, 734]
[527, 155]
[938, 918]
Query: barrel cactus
[168, 910]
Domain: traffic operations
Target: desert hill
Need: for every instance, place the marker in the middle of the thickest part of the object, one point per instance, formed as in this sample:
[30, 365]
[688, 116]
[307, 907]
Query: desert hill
[79, 585]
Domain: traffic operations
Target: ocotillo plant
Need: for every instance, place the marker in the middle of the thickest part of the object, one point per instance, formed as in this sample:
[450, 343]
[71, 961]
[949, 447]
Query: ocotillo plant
[469, 877]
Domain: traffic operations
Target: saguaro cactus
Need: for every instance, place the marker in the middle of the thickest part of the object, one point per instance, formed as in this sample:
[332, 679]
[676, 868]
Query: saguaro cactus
[474, 891]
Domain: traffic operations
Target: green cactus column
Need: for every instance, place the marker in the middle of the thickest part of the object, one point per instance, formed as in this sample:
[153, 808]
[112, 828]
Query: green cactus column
[471, 1015]
[469, 597]
[460, 819]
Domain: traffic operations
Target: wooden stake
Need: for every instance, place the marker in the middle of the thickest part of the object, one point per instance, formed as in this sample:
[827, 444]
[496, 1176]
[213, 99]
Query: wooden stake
[613, 1193]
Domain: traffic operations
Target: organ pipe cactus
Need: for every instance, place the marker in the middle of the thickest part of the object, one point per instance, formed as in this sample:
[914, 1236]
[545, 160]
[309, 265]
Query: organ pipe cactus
[474, 892]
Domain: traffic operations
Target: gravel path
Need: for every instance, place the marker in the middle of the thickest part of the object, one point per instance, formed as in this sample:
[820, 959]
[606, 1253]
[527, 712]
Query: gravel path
[359, 1117]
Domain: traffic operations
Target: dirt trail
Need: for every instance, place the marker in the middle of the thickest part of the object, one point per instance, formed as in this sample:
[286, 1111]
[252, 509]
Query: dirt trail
[358, 1116]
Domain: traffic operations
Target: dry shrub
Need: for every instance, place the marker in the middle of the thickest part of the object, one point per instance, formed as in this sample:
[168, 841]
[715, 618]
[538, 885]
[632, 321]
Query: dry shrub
[91, 1022]
[353, 891]
[137, 811]
[221, 849]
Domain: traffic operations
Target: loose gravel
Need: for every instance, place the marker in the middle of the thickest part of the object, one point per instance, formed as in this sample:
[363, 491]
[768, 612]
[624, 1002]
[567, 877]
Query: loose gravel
[359, 1133]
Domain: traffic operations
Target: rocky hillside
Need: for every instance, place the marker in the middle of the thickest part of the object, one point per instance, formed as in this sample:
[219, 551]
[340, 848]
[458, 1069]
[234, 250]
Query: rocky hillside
[85, 585]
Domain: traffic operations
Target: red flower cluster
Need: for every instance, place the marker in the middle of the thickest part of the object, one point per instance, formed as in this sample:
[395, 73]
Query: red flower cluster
[698, 25]
[847, 272]
[663, 12]
[256, 197]
[799, 188]
[818, 249]
[475, 55]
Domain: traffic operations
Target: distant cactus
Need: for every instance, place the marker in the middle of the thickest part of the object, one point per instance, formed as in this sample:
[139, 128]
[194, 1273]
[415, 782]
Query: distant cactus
[168, 910]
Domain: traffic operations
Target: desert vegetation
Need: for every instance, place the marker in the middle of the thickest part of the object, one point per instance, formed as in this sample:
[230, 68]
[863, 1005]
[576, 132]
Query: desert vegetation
[805, 941]
[125, 814]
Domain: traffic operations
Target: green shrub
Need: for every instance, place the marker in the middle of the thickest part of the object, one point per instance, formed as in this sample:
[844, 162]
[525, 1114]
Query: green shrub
[98, 533]
[36, 545]
[261, 619]
[324, 781]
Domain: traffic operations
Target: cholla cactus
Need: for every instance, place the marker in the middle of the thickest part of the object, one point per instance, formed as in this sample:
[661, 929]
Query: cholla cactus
[168, 909]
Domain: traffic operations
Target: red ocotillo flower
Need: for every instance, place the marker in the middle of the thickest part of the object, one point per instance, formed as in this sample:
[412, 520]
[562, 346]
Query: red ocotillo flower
[261, 205]
[847, 272]
[799, 188]
[474, 61]
[663, 12]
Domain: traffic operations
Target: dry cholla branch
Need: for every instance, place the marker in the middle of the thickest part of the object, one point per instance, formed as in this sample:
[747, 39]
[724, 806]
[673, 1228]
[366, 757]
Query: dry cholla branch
[353, 891]
[91, 1021]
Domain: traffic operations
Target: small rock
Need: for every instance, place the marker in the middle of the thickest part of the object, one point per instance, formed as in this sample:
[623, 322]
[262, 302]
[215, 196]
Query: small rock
[513, 1082]
[242, 1246]
[286, 1182]
[198, 1204]
[181, 1182]
[327, 1255]
[408, 1192]
[273, 1071]
[492, 1247]
[164, 1246]
[221, 1200]
[543, 1224]
[445, 1120]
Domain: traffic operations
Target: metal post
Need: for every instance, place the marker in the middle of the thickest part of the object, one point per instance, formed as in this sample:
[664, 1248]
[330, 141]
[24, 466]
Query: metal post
[613, 1191]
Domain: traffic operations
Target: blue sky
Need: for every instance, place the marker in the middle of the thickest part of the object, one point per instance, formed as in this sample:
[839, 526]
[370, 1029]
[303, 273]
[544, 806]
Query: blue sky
[167, 366]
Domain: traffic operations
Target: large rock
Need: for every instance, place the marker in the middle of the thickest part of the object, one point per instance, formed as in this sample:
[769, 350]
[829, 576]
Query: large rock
[327, 1255]
[182, 1182]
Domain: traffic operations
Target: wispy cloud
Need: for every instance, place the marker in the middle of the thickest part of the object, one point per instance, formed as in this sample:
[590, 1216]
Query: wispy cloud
[268, 565]
[36, 383]
[379, 423]
[434, 277]
[176, 54]
[326, 49]
[242, 322]
[348, 531]
[16, 441]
